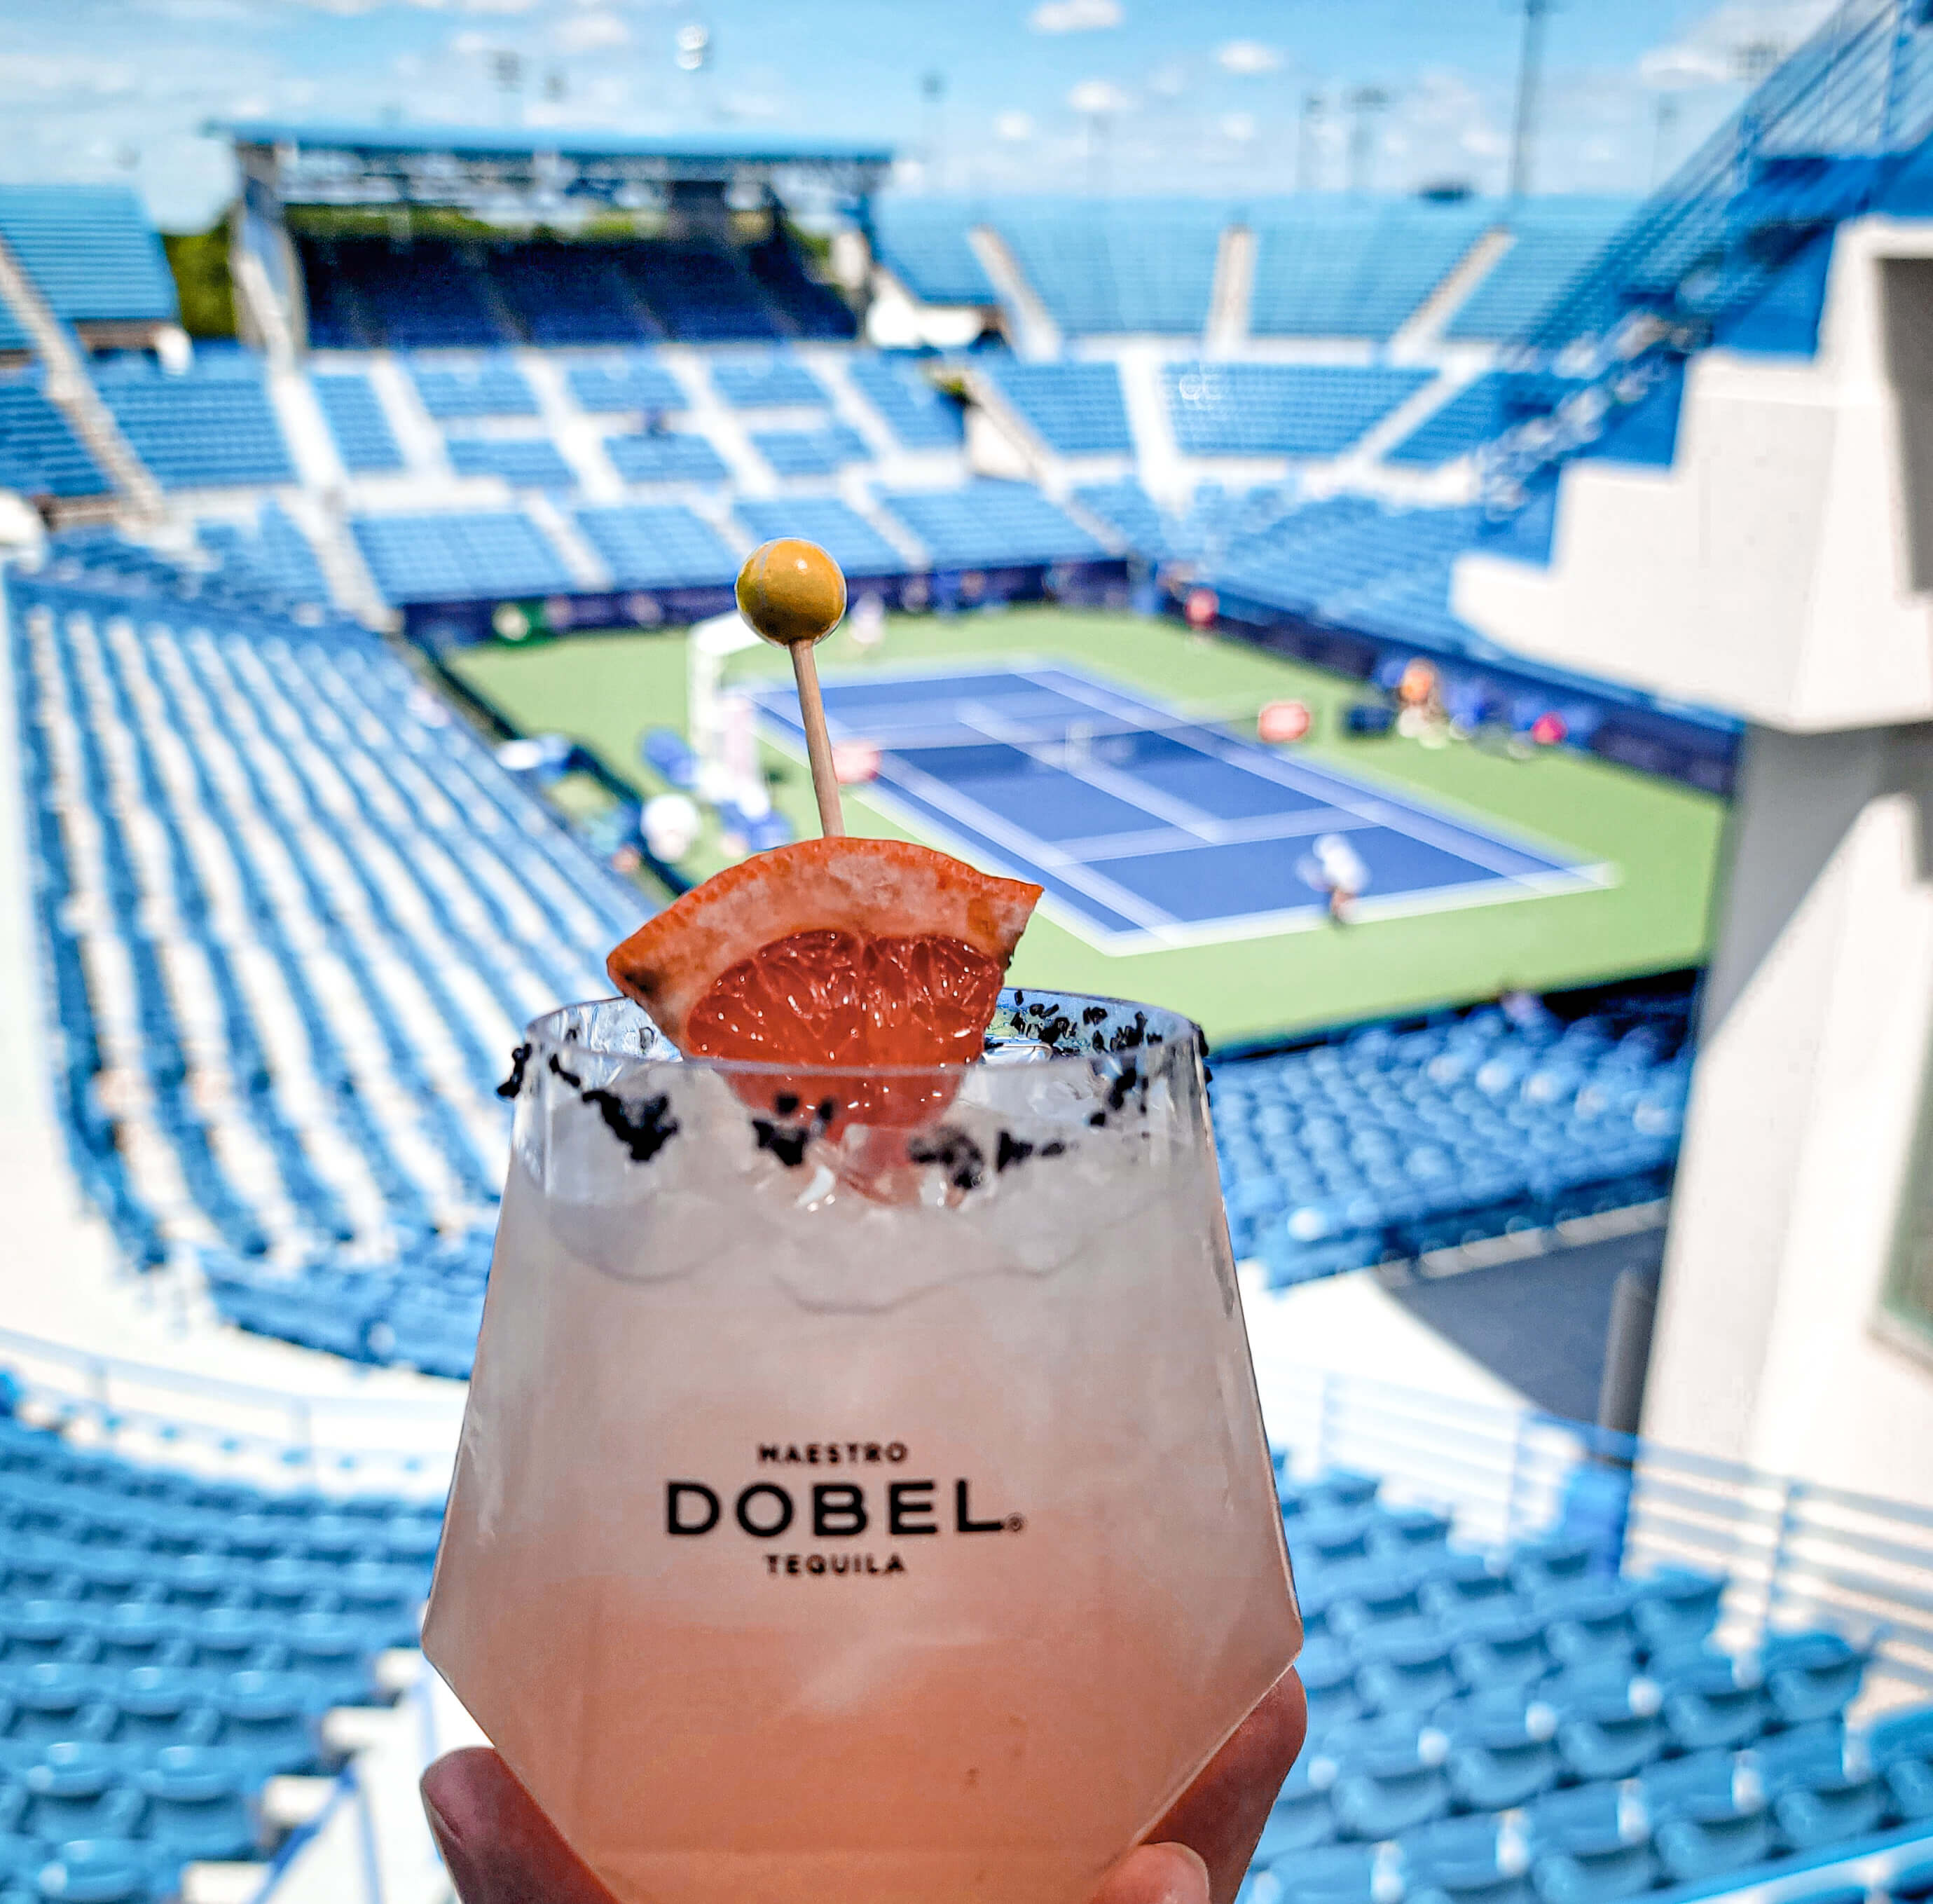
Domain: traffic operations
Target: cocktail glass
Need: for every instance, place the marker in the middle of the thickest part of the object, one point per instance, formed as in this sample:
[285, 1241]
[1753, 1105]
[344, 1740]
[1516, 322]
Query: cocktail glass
[827, 1529]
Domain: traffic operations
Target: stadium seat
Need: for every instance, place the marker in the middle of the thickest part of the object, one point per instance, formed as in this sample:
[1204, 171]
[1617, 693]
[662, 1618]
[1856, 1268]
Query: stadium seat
[1675, 1609]
[1707, 1703]
[197, 1805]
[658, 545]
[271, 1719]
[1703, 1841]
[354, 413]
[78, 1791]
[455, 557]
[99, 1871]
[916, 413]
[1236, 409]
[1810, 1675]
[1597, 1871]
[1497, 1768]
[206, 429]
[1074, 408]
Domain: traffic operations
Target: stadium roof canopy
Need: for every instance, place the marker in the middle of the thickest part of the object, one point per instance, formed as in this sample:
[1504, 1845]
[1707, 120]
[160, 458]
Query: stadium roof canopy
[338, 164]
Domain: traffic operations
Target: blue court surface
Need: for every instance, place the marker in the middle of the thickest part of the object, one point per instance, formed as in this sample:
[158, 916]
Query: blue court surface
[1147, 828]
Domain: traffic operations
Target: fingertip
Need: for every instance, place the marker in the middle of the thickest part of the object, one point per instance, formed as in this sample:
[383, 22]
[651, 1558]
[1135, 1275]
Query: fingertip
[1157, 1874]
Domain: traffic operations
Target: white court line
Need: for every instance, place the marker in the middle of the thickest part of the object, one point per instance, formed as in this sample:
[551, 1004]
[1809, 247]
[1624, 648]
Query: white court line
[1031, 854]
[1164, 932]
[1123, 787]
[1159, 929]
[1390, 809]
[1218, 833]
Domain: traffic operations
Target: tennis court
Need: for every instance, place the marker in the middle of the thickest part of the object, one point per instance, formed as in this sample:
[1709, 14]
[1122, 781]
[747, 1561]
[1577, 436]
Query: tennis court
[1150, 829]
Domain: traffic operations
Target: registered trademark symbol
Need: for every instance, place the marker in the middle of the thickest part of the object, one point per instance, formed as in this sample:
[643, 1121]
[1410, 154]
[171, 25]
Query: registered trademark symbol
[1015, 1522]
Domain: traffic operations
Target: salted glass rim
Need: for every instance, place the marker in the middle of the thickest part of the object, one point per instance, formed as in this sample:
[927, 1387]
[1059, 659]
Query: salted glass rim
[544, 1036]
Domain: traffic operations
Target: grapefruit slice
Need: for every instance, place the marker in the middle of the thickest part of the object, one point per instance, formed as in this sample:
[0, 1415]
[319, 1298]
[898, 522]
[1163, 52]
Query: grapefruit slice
[847, 954]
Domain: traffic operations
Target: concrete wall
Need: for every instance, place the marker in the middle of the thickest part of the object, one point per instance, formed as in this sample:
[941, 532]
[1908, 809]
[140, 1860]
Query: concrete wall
[1778, 568]
[1816, 1030]
[1781, 569]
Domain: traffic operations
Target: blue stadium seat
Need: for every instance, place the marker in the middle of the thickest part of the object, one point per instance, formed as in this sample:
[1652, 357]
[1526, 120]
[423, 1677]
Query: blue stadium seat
[1146, 266]
[271, 1719]
[39, 455]
[923, 242]
[1810, 1675]
[1241, 409]
[1708, 1704]
[991, 524]
[354, 414]
[1326, 269]
[102, 1871]
[209, 428]
[846, 536]
[767, 383]
[90, 253]
[1677, 1608]
[456, 556]
[487, 387]
[79, 1790]
[658, 545]
[811, 453]
[918, 414]
[1074, 408]
[666, 456]
[625, 383]
[1703, 1843]
[1597, 1871]
[525, 462]
[197, 1804]
[1553, 241]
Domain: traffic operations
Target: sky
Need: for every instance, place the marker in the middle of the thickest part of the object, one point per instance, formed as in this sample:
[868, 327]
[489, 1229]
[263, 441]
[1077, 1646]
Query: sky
[976, 96]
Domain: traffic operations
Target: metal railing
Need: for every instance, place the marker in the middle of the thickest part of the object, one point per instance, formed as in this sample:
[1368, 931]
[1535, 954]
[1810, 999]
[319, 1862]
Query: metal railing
[1796, 1553]
[276, 1436]
[1817, 141]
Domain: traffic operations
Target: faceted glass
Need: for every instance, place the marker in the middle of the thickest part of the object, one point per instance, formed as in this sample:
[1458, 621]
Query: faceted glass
[856, 1513]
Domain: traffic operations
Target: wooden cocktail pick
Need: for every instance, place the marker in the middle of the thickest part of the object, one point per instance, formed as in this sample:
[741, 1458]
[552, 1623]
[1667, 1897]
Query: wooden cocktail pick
[793, 593]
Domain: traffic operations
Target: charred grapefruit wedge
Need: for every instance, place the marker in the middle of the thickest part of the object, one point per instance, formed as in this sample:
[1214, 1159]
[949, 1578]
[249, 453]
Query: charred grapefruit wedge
[833, 953]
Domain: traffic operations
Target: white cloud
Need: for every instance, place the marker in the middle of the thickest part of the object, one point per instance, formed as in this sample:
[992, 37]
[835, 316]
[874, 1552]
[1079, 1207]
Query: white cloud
[1724, 45]
[1075, 16]
[1248, 57]
[468, 44]
[1097, 97]
[1015, 128]
[1240, 127]
[1169, 80]
[589, 32]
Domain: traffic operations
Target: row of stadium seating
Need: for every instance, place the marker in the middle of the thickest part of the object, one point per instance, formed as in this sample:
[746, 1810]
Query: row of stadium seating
[346, 909]
[210, 427]
[457, 556]
[1525, 1724]
[1281, 409]
[275, 555]
[295, 915]
[1323, 266]
[90, 252]
[1531, 1726]
[1393, 1142]
[367, 292]
[39, 455]
[169, 1641]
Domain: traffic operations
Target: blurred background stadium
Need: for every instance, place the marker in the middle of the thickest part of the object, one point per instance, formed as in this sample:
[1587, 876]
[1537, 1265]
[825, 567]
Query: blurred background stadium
[1412, 520]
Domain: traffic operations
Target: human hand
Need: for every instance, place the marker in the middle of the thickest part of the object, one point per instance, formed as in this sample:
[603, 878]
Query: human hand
[501, 1849]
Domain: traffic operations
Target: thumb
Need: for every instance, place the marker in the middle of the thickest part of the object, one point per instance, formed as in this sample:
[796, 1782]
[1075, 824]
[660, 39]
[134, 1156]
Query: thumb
[1157, 1874]
[499, 1847]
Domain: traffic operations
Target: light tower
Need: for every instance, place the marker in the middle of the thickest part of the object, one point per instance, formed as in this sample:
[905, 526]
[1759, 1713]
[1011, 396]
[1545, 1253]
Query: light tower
[1529, 80]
